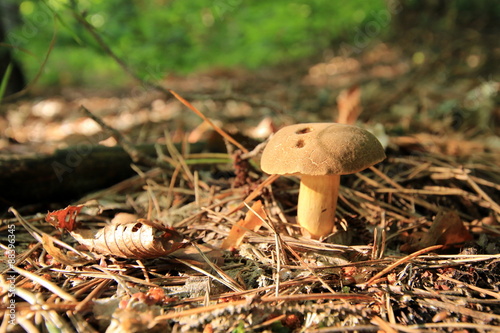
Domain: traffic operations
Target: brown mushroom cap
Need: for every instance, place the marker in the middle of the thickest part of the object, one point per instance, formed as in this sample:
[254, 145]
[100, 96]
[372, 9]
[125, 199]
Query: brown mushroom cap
[319, 149]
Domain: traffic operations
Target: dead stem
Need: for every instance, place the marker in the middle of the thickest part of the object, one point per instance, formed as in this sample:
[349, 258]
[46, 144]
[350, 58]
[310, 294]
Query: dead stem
[215, 127]
[400, 262]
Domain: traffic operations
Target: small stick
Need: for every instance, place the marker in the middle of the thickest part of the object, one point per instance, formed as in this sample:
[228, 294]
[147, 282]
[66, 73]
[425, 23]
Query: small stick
[385, 326]
[486, 197]
[256, 151]
[134, 154]
[401, 261]
[215, 127]
[470, 286]
[304, 264]
[92, 295]
[458, 309]
[386, 178]
[47, 284]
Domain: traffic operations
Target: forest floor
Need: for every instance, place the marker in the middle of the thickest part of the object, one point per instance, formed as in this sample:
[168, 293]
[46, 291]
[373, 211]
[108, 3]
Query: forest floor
[419, 249]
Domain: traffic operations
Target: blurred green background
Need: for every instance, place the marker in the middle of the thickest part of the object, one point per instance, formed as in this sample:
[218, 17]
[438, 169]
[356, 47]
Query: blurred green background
[160, 37]
[173, 36]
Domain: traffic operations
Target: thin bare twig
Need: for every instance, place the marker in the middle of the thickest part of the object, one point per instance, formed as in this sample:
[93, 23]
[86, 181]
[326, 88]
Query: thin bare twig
[215, 127]
[400, 262]
[134, 154]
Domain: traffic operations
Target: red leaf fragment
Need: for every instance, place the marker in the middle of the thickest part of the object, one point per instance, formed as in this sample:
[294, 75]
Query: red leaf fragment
[64, 218]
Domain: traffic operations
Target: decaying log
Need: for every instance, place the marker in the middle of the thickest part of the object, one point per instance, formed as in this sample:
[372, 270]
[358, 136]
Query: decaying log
[66, 174]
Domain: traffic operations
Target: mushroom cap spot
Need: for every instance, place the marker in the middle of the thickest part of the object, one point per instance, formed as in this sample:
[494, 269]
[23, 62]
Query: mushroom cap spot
[319, 149]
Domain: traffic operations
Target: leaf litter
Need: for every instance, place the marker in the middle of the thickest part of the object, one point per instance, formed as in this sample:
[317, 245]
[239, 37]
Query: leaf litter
[213, 246]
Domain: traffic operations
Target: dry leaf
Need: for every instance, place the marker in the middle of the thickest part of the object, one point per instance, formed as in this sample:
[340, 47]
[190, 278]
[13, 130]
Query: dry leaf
[128, 314]
[349, 105]
[135, 240]
[124, 218]
[126, 236]
[447, 229]
[488, 225]
[64, 218]
[57, 254]
[263, 130]
[251, 222]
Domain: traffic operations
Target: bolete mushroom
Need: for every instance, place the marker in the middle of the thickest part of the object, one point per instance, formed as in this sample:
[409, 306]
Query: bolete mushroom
[319, 153]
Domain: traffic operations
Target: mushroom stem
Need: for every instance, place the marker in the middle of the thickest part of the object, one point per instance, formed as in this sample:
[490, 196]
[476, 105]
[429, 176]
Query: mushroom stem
[317, 204]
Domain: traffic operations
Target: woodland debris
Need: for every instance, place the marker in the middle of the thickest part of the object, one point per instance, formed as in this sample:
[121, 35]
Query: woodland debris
[67, 173]
[447, 229]
[140, 239]
[251, 222]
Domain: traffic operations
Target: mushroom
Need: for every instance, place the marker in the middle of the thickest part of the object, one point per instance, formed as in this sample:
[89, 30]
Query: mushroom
[319, 153]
